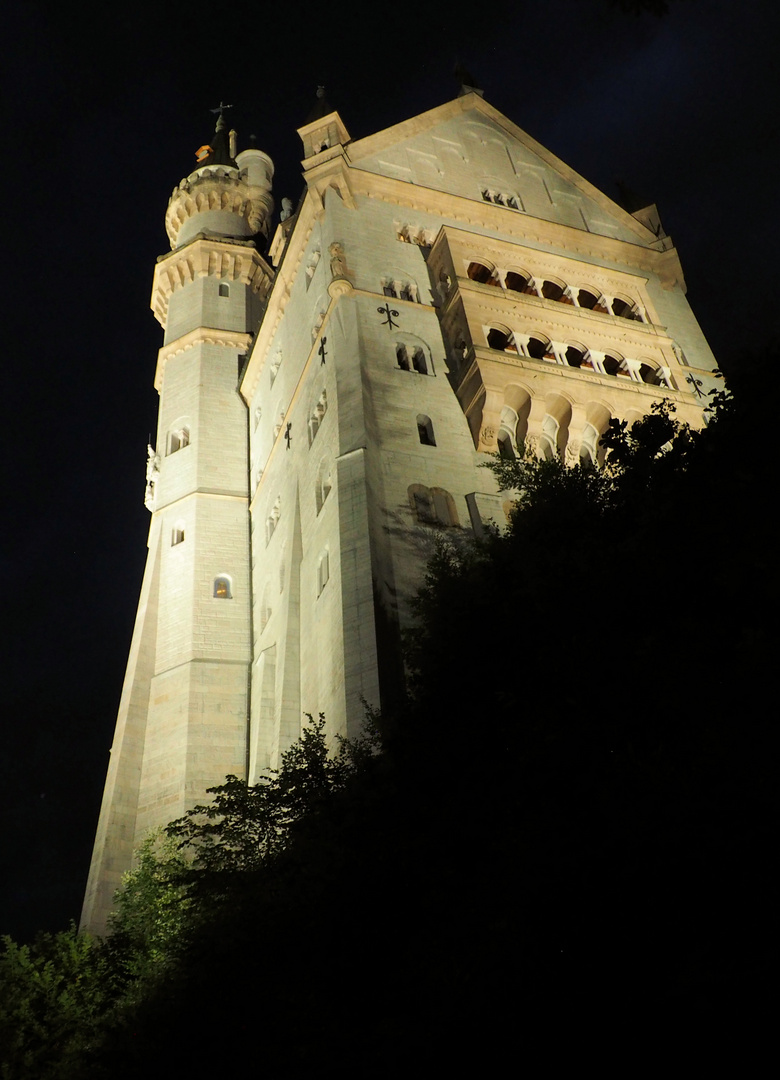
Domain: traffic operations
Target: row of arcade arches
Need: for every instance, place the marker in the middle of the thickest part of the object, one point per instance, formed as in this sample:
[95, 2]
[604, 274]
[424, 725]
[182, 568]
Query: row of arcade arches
[576, 354]
[568, 430]
[553, 288]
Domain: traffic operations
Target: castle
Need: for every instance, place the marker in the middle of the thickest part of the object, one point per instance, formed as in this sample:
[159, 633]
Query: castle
[445, 289]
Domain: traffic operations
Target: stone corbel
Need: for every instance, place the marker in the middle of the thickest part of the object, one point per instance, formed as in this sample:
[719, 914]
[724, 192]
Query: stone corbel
[535, 418]
[491, 421]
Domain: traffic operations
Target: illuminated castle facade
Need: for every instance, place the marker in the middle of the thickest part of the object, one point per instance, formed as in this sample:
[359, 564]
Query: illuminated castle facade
[446, 288]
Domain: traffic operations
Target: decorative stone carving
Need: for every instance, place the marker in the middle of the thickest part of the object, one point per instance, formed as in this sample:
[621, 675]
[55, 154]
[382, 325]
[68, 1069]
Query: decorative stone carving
[152, 476]
[487, 437]
[572, 455]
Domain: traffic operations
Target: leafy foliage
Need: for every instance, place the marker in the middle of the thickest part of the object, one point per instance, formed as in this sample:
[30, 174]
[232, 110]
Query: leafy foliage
[567, 820]
[245, 827]
[148, 923]
[53, 994]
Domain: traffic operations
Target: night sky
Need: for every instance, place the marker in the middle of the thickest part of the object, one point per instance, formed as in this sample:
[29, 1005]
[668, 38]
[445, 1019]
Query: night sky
[102, 116]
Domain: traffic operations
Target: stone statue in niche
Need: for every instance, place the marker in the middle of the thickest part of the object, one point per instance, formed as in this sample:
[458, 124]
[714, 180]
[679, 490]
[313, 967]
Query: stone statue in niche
[152, 475]
[287, 209]
[338, 264]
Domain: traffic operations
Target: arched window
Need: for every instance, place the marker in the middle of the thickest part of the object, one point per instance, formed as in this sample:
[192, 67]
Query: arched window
[223, 588]
[540, 348]
[444, 507]
[501, 339]
[265, 607]
[177, 534]
[323, 485]
[587, 299]
[589, 445]
[575, 355]
[477, 271]
[552, 290]
[422, 504]
[425, 430]
[224, 288]
[418, 361]
[507, 432]
[317, 414]
[518, 282]
[273, 520]
[650, 373]
[412, 358]
[625, 308]
[548, 443]
[323, 571]
[612, 365]
[432, 506]
[555, 428]
[178, 439]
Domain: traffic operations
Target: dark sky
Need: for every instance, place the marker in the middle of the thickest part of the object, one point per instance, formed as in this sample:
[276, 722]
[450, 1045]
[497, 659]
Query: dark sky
[102, 115]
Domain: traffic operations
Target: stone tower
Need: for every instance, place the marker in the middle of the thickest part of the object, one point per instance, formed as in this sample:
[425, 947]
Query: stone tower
[183, 712]
[446, 288]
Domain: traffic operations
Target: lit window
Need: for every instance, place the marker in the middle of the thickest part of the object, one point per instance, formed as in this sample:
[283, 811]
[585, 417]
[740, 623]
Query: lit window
[222, 589]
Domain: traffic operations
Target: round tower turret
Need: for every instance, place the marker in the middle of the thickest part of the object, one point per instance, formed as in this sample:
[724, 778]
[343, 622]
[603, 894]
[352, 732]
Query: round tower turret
[225, 196]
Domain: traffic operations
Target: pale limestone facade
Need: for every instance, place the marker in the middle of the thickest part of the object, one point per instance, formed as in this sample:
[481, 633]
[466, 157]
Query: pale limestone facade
[446, 287]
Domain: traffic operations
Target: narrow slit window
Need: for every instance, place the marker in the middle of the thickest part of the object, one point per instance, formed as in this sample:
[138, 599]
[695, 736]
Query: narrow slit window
[323, 572]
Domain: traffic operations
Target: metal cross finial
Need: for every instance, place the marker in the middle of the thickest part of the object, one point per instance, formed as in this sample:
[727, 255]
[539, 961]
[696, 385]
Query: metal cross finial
[321, 350]
[221, 109]
[390, 312]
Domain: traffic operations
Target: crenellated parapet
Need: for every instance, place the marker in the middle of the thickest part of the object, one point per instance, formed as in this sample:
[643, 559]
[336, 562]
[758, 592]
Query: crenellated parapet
[223, 199]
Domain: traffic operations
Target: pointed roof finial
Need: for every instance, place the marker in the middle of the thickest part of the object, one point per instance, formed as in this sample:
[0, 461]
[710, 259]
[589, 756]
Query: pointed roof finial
[219, 152]
[321, 107]
[468, 84]
[221, 110]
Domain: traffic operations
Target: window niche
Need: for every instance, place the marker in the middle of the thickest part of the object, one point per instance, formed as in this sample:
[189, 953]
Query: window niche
[178, 439]
[223, 588]
[401, 290]
[432, 506]
[411, 358]
[425, 430]
[323, 485]
[272, 520]
[323, 571]
[317, 416]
